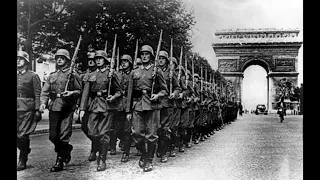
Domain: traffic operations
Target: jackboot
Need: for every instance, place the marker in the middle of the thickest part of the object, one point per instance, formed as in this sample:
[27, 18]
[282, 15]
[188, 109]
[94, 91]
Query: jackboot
[142, 147]
[113, 143]
[150, 155]
[94, 150]
[58, 166]
[67, 153]
[102, 157]
[164, 149]
[126, 149]
[188, 138]
[22, 164]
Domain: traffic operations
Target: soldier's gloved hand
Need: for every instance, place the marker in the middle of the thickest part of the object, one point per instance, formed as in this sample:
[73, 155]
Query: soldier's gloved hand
[81, 114]
[110, 98]
[67, 93]
[38, 116]
[129, 116]
[154, 97]
[172, 95]
[42, 108]
[180, 96]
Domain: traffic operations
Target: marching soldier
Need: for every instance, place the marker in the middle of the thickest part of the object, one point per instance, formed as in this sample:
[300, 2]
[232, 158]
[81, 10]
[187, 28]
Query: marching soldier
[167, 101]
[62, 107]
[184, 114]
[197, 115]
[124, 75]
[190, 107]
[102, 104]
[146, 106]
[84, 124]
[28, 102]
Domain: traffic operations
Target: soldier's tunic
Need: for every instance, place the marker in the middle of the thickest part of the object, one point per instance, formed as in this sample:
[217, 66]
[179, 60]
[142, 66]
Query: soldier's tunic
[190, 105]
[61, 108]
[184, 117]
[166, 112]
[28, 101]
[84, 123]
[101, 112]
[122, 127]
[146, 114]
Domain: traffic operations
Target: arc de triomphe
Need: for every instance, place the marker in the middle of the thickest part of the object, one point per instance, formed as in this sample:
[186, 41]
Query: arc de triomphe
[276, 50]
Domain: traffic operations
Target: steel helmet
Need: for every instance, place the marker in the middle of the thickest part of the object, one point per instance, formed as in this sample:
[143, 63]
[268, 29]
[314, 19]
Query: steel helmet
[62, 52]
[164, 54]
[91, 55]
[188, 72]
[127, 57]
[102, 53]
[196, 75]
[138, 61]
[147, 48]
[174, 60]
[24, 55]
[182, 69]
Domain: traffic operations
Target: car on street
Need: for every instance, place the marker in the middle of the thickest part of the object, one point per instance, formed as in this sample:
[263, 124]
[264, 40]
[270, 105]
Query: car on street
[261, 109]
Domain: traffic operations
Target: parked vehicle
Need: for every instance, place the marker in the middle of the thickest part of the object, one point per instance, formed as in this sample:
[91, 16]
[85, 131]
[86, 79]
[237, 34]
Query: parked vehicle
[261, 109]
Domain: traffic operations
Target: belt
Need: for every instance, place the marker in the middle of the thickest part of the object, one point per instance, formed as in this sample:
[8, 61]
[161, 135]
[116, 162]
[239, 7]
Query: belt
[21, 95]
[55, 95]
[98, 93]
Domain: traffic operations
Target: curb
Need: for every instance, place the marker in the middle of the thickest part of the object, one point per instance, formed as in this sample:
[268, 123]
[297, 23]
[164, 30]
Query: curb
[43, 131]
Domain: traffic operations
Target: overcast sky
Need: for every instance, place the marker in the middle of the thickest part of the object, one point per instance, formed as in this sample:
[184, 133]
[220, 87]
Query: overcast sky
[212, 15]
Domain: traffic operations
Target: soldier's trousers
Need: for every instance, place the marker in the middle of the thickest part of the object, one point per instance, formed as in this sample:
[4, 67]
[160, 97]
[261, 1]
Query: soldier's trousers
[117, 129]
[60, 130]
[25, 126]
[84, 124]
[174, 137]
[145, 125]
[182, 128]
[164, 130]
[99, 125]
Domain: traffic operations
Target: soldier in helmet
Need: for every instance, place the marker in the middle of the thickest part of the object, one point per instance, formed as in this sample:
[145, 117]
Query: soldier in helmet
[166, 112]
[197, 115]
[102, 105]
[84, 124]
[62, 107]
[28, 102]
[190, 107]
[146, 106]
[124, 126]
[184, 112]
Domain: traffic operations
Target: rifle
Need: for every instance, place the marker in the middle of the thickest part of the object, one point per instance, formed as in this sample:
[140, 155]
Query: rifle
[73, 62]
[156, 64]
[201, 83]
[105, 46]
[180, 64]
[171, 66]
[112, 62]
[135, 55]
[118, 58]
[192, 71]
[186, 68]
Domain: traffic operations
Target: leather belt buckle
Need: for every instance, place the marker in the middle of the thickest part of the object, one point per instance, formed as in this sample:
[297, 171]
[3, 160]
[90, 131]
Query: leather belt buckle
[58, 95]
[99, 93]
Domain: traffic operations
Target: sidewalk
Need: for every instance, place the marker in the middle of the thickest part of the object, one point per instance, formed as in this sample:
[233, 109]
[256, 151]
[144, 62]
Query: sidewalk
[43, 125]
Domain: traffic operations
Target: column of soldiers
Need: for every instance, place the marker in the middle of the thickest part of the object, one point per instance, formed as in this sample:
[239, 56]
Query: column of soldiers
[160, 108]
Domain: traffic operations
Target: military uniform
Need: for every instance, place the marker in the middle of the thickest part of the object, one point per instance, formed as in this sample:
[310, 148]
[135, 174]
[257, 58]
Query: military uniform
[28, 102]
[100, 111]
[146, 113]
[197, 114]
[61, 110]
[166, 112]
[190, 106]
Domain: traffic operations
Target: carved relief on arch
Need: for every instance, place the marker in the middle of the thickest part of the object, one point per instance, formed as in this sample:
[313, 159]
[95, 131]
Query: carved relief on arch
[267, 60]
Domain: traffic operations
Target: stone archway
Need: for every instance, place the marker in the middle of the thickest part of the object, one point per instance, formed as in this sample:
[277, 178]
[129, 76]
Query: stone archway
[276, 50]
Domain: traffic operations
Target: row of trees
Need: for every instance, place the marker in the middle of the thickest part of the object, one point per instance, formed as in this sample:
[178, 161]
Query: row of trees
[46, 26]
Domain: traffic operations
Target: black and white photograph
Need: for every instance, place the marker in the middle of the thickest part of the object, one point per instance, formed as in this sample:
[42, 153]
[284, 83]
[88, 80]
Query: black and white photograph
[160, 90]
